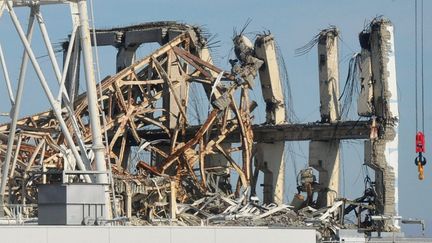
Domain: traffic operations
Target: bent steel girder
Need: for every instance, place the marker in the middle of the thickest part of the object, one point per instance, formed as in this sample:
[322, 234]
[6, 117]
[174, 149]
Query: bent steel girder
[132, 101]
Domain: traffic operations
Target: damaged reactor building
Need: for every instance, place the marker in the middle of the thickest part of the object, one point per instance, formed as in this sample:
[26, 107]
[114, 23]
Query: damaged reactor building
[130, 151]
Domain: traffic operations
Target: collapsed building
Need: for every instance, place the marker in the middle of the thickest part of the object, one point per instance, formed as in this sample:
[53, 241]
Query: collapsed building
[158, 168]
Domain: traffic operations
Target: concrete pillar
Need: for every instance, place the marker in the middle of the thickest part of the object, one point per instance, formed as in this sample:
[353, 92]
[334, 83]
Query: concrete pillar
[382, 153]
[365, 100]
[324, 155]
[271, 85]
[125, 57]
[329, 75]
[269, 157]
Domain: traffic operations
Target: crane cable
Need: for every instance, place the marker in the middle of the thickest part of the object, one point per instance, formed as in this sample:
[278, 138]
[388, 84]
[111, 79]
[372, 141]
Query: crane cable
[420, 160]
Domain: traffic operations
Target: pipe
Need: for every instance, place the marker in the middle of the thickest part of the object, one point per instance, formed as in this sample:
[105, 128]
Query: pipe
[15, 108]
[6, 76]
[49, 47]
[98, 147]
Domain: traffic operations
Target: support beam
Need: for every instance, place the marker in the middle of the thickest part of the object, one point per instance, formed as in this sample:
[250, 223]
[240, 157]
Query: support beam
[285, 132]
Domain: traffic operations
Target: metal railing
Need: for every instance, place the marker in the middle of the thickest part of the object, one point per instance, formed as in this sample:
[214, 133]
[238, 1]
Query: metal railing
[18, 214]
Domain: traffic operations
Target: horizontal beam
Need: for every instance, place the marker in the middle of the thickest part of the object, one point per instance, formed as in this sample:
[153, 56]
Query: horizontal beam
[286, 132]
[313, 131]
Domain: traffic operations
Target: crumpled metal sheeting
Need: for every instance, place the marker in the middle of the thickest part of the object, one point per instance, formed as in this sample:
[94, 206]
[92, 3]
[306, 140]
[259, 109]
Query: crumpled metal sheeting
[138, 185]
[223, 210]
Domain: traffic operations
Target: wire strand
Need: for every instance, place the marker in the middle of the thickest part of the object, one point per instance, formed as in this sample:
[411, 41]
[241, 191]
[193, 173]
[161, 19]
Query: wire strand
[415, 64]
[422, 68]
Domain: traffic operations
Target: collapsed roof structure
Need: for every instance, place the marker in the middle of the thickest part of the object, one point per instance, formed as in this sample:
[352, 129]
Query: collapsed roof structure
[163, 169]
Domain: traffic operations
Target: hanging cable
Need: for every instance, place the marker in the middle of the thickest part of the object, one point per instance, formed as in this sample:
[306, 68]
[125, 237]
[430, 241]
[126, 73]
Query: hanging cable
[420, 160]
[422, 67]
[415, 64]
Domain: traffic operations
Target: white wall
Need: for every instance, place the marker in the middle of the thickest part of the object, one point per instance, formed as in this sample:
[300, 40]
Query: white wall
[106, 234]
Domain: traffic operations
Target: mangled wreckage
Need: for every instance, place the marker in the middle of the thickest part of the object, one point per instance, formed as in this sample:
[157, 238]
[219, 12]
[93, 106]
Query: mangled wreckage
[165, 168]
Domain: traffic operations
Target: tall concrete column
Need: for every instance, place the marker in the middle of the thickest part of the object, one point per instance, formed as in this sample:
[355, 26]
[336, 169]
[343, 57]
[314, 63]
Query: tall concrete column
[269, 157]
[365, 104]
[382, 153]
[324, 155]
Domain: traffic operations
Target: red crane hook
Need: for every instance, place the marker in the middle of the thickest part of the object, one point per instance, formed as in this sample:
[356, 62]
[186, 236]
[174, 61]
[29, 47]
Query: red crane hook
[420, 161]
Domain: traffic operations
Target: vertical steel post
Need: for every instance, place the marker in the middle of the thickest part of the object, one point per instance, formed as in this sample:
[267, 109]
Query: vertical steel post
[6, 76]
[98, 147]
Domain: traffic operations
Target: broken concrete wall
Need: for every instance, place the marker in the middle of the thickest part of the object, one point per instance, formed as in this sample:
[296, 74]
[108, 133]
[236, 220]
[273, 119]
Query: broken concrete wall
[384, 69]
[382, 153]
[377, 157]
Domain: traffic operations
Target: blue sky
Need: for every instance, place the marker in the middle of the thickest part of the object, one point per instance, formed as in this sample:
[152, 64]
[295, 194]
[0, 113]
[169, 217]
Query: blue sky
[293, 24]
